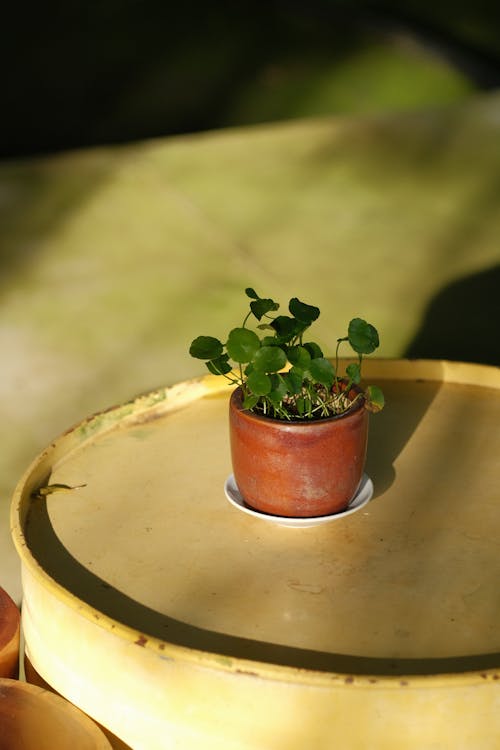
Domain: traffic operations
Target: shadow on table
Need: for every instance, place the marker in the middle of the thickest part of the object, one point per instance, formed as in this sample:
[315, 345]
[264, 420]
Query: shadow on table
[461, 322]
[392, 428]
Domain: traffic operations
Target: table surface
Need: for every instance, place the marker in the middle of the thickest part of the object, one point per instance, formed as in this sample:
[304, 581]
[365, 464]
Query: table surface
[408, 583]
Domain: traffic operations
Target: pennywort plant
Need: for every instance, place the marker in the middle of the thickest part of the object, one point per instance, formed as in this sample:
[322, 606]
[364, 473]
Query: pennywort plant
[282, 374]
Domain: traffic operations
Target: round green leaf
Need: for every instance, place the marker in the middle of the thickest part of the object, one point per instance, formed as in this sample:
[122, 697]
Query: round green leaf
[205, 347]
[322, 371]
[354, 372]
[261, 307]
[313, 349]
[301, 406]
[287, 328]
[301, 311]
[250, 401]
[269, 359]
[270, 341]
[363, 337]
[278, 391]
[219, 366]
[297, 373]
[375, 400]
[242, 344]
[293, 381]
[299, 356]
[251, 293]
[259, 383]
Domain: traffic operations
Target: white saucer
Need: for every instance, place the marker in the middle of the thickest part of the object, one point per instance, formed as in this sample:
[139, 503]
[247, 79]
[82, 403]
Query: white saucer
[361, 498]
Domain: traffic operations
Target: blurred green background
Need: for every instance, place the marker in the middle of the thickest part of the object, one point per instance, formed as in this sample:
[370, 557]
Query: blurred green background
[156, 159]
[86, 73]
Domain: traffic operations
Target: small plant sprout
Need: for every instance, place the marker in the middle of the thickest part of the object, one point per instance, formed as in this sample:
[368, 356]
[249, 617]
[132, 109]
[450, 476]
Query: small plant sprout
[283, 375]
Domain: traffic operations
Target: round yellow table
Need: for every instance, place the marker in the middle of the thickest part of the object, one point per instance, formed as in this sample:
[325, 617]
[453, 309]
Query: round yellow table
[178, 621]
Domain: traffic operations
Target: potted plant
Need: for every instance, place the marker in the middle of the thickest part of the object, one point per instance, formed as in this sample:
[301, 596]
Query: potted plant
[298, 426]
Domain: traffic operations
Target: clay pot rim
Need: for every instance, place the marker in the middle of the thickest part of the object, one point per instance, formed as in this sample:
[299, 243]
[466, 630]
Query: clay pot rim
[236, 402]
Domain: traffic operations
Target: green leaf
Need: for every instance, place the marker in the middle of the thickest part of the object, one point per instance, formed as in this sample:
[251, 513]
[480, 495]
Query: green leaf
[205, 347]
[219, 366]
[296, 372]
[301, 406]
[354, 372]
[242, 344]
[305, 313]
[251, 293]
[250, 401]
[269, 359]
[287, 328]
[299, 356]
[293, 381]
[313, 349]
[259, 383]
[270, 341]
[261, 307]
[375, 400]
[322, 371]
[363, 337]
[278, 392]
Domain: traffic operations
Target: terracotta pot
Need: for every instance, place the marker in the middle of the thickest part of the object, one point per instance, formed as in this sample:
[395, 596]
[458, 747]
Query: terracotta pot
[35, 679]
[297, 469]
[10, 625]
[34, 719]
